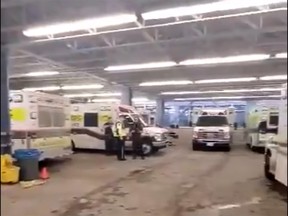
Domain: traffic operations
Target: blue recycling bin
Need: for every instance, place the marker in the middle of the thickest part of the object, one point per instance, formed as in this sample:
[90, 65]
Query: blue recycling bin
[28, 161]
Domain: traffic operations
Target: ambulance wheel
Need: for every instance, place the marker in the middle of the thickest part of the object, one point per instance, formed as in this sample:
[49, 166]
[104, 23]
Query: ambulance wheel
[195, 147]
[147, 149]
[267, 173]
[73, 146]
[228, 149]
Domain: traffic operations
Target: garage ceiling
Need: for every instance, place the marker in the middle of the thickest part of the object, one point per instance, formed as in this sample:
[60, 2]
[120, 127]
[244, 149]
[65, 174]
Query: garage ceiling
[81, 56]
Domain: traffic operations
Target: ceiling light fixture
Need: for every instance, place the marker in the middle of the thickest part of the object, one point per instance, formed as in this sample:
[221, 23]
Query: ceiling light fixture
[281, 55]
[140, 100]
[79, 25]
[244, 79]
[166, 83]
[274, 77]
[108, 94]
[80, 87]
[105, 100]
[150, 65]
[226, 98]
[79, 95]
[223, 5]
[222, 91]
[226, 60]
[41, 73]
[45, 88]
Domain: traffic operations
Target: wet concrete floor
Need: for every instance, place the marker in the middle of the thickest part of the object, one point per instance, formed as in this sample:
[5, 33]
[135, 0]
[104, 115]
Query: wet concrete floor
[174, 182]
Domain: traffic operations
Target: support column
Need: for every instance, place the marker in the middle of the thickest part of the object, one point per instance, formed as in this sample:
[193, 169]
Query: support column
[250, 105]
[5, 114]
[159, 111]
[126, 98]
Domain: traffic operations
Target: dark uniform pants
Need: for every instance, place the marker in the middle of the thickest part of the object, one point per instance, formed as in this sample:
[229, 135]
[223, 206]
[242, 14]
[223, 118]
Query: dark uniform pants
[137, 149]
[120, 148]
[109, 145]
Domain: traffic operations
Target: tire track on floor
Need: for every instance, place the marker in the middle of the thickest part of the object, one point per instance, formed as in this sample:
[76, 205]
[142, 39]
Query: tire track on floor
[175, 205]
[74, 208]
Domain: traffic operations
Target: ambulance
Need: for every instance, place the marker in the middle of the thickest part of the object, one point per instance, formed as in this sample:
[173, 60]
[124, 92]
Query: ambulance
[262, 124]
[275, 164]
[40, 121]
[212, 128]
[88, 121]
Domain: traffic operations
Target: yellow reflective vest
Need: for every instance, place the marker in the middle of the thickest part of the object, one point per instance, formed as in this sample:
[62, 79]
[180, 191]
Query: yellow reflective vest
[118, 130]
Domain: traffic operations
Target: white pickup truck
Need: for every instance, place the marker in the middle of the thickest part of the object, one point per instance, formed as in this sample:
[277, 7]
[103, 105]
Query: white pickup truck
[212, 131]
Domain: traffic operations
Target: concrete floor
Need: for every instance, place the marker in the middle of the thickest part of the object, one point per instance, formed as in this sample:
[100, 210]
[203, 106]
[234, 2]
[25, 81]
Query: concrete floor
[175, 182]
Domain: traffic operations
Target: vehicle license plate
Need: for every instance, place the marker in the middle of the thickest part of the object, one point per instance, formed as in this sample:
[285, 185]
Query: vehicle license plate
[210, 144]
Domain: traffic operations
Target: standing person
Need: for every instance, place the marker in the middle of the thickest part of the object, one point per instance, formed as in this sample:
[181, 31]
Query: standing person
[109, 139]
[137, 149]
[119, 136]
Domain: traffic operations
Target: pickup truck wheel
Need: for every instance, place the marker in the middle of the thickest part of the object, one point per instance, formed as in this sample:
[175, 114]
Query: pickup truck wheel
[267, 173]
[147, 149]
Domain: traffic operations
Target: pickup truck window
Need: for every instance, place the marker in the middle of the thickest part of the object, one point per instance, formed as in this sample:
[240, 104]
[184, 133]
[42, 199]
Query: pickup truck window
[212, 121]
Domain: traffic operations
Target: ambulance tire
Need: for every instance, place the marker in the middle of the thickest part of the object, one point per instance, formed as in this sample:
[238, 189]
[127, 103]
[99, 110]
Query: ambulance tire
[147, 148]
[267, 173]
[73, 146]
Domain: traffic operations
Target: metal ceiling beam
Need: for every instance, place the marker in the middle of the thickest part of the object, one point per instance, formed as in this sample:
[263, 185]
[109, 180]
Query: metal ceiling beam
[61, 65]
[222, 35]
[185, 22]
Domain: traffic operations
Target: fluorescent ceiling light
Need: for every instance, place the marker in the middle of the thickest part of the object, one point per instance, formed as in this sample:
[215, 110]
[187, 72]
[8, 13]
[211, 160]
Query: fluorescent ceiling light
[140, 99]
[86, 24]
[149, 102]
[93, 95]
[226, 60]
[150, 65]
[42, 73]
[275, 77]
[226, 98]
[221, 91]
[78, 95]
[107, 94]
[78, 87]
[181, 93]
[244, 79]
[45, 88]
[166, 83]
[281, 55]
[223, 5]
[105, 100]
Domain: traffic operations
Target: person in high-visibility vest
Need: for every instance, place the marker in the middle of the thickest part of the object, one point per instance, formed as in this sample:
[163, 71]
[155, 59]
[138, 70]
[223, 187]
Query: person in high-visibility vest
[120, 136]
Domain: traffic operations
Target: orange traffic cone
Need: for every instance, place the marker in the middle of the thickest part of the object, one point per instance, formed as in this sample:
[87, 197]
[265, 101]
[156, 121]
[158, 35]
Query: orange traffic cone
[44, 173]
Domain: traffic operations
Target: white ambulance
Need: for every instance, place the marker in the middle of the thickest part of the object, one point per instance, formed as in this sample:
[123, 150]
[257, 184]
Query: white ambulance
[262, 123]
[212, 128]
[276, 149]
[40, 121]
[88, 121]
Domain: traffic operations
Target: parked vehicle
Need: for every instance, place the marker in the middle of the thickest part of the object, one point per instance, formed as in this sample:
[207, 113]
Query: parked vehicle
[88, 120]
[262, 125]
[40, 121]
[275, 166]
